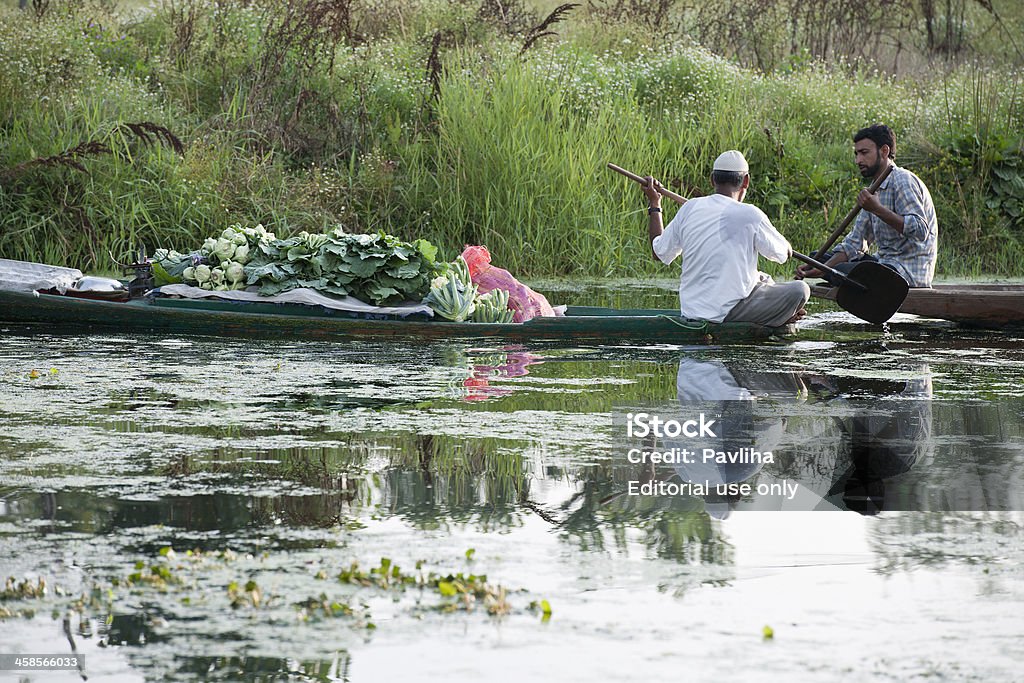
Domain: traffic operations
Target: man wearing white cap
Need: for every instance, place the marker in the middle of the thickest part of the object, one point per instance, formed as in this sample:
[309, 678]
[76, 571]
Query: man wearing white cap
[719, 238]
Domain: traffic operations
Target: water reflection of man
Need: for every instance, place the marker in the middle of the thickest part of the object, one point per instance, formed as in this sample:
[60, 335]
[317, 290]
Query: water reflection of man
[880, 441]
[884, 442]
[730, 393]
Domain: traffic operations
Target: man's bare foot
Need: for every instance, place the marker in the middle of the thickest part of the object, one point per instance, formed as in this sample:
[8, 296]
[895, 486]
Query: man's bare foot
[797, 316]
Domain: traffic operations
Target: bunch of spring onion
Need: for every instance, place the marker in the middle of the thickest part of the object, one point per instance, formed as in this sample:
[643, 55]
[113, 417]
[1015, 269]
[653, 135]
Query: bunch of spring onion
[492, 307]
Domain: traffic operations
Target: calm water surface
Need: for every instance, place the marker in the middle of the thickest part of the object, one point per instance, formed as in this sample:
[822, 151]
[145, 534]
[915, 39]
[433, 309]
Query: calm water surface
[280, 464]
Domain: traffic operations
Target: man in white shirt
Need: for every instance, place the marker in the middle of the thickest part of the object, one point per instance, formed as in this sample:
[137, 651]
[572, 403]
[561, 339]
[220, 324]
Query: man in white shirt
[719, 238]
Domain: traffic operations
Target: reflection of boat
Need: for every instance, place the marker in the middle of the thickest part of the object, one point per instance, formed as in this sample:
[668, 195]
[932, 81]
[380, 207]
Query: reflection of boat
[829, 452]
[981, 305]
[209, 317]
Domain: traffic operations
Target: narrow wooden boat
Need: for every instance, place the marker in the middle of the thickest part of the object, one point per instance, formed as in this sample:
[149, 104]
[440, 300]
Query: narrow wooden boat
[976, 305]
[262, 320]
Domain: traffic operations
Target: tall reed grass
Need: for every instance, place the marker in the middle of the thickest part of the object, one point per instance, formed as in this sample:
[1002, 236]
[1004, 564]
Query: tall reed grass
[496, 145]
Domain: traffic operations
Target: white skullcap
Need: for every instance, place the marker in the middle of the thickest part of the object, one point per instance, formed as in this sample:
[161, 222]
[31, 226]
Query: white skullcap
[731, 161]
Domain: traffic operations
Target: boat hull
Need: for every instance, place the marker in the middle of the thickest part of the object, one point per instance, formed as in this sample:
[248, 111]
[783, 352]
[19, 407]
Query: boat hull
[986, 305]
[264, 320]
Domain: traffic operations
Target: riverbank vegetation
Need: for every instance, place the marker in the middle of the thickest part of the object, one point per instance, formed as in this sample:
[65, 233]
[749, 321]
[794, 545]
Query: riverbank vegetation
[485, 122]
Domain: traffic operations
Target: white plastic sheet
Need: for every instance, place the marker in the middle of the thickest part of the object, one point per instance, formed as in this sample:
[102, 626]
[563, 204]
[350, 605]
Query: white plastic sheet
[24, 276]
[309, 297]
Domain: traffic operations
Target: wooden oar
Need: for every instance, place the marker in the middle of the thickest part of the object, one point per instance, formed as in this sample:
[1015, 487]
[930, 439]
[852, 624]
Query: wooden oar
[873, 188]
[870, 291]
[827, 269]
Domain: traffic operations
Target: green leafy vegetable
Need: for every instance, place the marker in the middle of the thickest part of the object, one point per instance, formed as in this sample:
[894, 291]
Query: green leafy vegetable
[376, 268]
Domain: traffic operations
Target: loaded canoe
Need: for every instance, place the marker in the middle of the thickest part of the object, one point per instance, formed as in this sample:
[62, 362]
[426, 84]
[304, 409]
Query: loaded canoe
[976, 305]
[261, 320]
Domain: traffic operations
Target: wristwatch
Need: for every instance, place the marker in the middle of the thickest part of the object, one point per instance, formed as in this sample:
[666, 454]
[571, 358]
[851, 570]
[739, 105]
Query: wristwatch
[653, 209]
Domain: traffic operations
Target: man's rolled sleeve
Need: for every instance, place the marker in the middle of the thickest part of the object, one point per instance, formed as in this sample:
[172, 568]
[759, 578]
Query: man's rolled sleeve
[909, 203]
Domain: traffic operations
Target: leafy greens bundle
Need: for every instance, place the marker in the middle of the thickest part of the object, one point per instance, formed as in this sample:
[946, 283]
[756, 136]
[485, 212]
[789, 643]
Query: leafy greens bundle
[375, 268]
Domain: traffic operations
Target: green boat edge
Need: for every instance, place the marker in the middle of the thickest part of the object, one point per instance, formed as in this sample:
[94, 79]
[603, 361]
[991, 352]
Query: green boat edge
[207, 317]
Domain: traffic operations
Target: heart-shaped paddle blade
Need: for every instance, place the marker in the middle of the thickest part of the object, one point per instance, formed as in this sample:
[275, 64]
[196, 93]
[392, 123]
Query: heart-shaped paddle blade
[883, 293]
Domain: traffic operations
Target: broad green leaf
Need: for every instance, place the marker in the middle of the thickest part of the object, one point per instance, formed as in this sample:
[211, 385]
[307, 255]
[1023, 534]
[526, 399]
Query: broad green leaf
[271, 271]
[380, 294]
[407, 271]
[382, 278]
[365, 268]
[272, 288]
[403, 252]
[162, 277]
[300, 252]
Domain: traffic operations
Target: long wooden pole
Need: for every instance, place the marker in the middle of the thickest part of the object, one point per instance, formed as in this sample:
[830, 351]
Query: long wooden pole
[873, 188]
[665, 192]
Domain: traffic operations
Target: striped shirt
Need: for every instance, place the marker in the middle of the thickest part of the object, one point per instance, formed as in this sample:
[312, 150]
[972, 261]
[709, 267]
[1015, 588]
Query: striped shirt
[911, 253]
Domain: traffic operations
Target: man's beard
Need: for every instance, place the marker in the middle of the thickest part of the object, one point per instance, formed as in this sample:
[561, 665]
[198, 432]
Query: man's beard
[872, 171]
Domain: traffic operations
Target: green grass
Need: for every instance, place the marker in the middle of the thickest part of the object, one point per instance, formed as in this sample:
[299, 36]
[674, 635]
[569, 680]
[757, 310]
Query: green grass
[289, 127]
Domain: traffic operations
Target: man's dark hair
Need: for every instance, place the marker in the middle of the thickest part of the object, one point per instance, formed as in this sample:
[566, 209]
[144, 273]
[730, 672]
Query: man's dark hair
[733, 179]
[880, 134]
